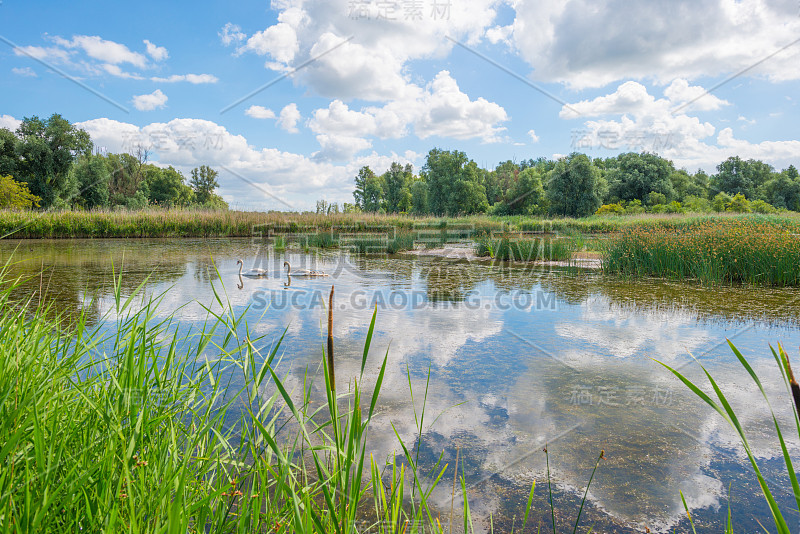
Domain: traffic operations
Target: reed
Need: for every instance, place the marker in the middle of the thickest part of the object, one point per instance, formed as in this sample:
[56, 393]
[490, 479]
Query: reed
[131, 425]
[723, 407]
[526, 249]
[320, 229]
[751, 250]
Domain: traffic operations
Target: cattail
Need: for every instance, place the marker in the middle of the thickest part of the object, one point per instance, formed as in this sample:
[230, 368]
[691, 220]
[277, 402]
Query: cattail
[331, 373]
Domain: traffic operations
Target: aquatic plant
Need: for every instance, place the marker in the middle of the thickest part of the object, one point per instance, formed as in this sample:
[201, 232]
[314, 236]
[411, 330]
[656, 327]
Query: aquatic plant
[723, 407]
[714, 250]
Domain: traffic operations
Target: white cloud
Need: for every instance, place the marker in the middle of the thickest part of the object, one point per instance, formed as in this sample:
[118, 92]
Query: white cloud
[44, 53]
[191, 78]
[533, 136]
[340, 147]
[647, 123]
[9, 122]
[151, 101]
[289, 117]
[231, 34]
[115, 70]
[591, 43]
[680, 92]
[373, 64]
[187, 143]
[259, 112]
[448, 112]
[158, 53]
[24, 71]
[103, 50]
[278, 41]
[441, 109]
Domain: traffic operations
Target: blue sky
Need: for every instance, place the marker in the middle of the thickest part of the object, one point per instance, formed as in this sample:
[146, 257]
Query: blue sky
[370, 82]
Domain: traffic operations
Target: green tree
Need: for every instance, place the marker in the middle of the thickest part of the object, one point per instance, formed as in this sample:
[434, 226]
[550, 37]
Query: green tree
[91, 176]
[573, 187]
[720, 201]
[46, 150]
[739, 204]
[419, 197]
[527, 195]
[369, 190]
[397, 181]
[16, 195]
[783, 190]
[204, 182]
[636, 175]
[167, 187]
[8, 152]
[735, 175]
[454, 183]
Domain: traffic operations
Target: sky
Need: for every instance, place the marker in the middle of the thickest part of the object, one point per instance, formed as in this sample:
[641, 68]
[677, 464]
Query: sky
[288, 99]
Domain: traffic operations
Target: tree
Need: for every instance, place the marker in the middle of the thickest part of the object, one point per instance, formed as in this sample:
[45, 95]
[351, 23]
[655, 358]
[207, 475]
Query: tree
[720, 201]
[453, 183]
[739, 204]
[573, 186]
[8, 152]
[204, 182]
[90, 176]
[527, 195]
[397, 181]
[46, 150]
[419, 197]
[734, 176]
[783, 190]
[368, 193]
[167, 187]
[636, 175]
[16, 195]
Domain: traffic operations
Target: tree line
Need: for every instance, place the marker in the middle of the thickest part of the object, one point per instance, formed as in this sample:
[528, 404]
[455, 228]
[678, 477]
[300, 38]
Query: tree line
[449, 183]
[50, 163]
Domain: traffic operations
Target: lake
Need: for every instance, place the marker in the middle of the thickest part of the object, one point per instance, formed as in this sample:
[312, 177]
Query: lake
[514, 358]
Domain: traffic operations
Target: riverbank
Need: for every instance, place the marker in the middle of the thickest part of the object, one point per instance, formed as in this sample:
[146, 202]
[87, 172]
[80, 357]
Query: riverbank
[153, 223]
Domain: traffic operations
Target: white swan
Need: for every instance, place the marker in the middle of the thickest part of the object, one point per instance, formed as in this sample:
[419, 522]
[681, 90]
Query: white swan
[252, 273]
[301, 272]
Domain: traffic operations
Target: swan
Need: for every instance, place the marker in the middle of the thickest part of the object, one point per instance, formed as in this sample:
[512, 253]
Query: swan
[301, 272]
[252, 273]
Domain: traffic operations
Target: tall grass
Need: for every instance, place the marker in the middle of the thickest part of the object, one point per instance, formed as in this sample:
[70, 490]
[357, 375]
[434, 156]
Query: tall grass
[723, 407]
[131, 426]
[526, 249]
[754, 250]
[156, 222]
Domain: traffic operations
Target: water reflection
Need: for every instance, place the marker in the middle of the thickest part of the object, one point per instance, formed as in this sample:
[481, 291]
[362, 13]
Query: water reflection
[517, 358]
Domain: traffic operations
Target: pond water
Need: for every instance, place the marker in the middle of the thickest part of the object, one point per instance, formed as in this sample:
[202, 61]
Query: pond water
[519, 357]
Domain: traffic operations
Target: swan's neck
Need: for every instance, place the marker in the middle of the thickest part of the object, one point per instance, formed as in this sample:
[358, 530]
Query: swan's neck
[241, 265]
[288, 267]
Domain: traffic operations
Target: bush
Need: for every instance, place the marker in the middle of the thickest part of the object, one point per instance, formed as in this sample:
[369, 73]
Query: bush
[16, 195]
[610, 209]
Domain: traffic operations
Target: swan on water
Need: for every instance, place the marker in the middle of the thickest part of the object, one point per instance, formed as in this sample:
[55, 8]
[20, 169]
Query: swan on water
[301, 272]
[252, 273]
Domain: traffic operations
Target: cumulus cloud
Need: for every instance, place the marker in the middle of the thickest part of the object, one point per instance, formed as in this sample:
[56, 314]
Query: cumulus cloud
[103, 50]
[259, 112]
[441, 109]
[591, 43]
[289, 117]
[533, 136]
[645, 123]
[158, 53]
[191, 78]
[371, 66]
[187, 143]
[8, 122]
[340, 147]
[149, 102]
